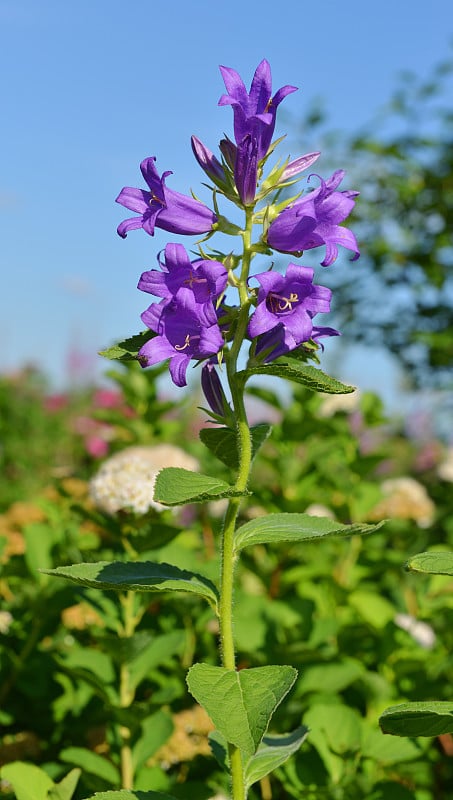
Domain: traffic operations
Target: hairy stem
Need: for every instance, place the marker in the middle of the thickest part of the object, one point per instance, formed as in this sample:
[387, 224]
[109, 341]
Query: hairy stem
[244, 446]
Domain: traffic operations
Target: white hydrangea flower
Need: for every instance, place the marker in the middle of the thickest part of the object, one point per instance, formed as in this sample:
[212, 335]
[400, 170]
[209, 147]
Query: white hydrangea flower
[445, 469]
[126, 480]
[405, 498]
[6, 620]
[421, 632]
[332, 403]
[319, 510]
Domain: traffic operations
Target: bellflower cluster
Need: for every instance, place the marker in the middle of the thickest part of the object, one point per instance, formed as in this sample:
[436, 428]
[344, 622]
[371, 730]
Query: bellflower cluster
[185, 320]
[192, 321]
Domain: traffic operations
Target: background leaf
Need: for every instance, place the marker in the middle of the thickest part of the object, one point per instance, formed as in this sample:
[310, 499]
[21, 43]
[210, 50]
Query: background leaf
[92, 763]
[28, 781]
[431, 718]
[435, 563]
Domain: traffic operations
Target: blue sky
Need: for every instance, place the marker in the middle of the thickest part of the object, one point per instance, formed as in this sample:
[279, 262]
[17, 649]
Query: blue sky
[91, 88]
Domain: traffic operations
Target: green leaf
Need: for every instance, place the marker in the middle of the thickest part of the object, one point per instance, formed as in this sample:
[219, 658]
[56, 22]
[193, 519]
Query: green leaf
[308, 376]
[295, 528]
[130, 794]
[272, 752]
[386, 750]
[157, 652]
[222, 442]
[91, 763]
[434, 563]
[431, 718]
[176, 486]
[66, 788]
[141, 576]
[338, 725]
[127, 350]
[28, 781]
[331, 677]
[372, 607]
[156, 729]
[240, 704]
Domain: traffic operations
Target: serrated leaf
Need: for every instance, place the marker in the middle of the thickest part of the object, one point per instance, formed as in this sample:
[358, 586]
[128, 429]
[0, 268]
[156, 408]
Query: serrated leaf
[240, 704]
[295, 528]
[92, 763]
[223, 444]
[127, 350]
[28, 781]
[434, 563]
[142, 576]
[308, 376]
[431, 718]
[130, 794]
[272, 752]
[66, 788]
[176, 486]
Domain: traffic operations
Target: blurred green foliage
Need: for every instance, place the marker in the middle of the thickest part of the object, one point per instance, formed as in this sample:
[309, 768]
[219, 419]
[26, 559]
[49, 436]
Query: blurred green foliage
[399, 295]
[363, 634]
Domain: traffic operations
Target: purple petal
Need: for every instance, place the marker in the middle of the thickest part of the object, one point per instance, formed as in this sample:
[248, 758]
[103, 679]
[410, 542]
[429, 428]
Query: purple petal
[185, 215]
[134, 199]
[178, 369]
[156, 350]
[237, 93]
[154, 282]
[343, 236]
[260, 89]
[127, 225]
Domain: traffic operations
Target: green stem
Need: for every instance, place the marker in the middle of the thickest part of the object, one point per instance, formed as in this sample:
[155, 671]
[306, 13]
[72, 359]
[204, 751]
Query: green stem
[244, 446]
[127, 693]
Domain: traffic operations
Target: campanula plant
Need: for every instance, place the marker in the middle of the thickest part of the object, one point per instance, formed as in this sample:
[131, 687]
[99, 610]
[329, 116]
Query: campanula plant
[218, 312]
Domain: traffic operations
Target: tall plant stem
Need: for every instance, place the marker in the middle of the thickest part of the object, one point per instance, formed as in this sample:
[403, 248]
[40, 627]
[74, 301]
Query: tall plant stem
[244, 446]
[126, 693]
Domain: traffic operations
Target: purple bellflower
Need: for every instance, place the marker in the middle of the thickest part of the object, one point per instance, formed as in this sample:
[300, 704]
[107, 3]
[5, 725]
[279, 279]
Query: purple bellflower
[276, 342]
[162, 207]
[314, 219]
[186, 330]
[254, 123]
[255, 111]
[287, 303]
[206, 279]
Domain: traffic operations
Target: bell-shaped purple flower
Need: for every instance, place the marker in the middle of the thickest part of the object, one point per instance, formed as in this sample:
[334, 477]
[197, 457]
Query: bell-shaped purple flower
[314, 219]
[288, 302]
[254, 111]
[162, 207]
[276, 342]
[206, 279]
[186, 330]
